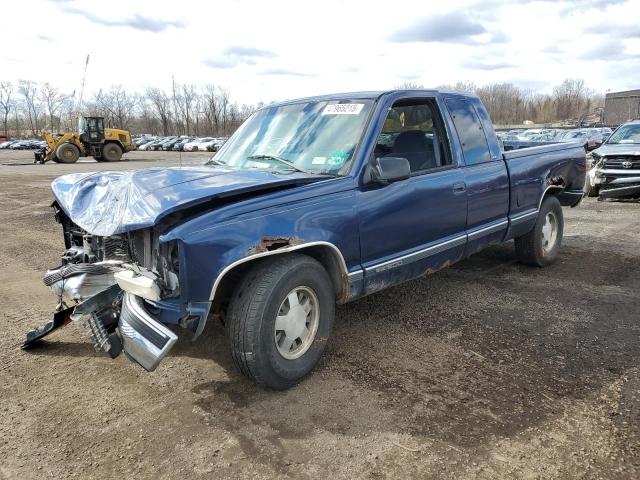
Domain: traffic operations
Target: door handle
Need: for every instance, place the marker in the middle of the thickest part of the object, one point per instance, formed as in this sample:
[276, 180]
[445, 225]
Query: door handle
[459, 187]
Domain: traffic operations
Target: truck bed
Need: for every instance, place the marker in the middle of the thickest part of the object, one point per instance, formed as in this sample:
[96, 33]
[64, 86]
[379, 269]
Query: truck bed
[528, 165]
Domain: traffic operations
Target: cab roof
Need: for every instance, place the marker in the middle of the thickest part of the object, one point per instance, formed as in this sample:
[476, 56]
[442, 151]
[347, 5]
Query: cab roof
[366, 95]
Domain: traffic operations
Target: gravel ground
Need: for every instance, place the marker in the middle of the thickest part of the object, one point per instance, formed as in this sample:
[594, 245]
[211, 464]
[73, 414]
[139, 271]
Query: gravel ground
[489, 369]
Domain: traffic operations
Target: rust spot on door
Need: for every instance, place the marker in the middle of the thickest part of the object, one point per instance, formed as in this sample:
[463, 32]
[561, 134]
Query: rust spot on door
[429, 271]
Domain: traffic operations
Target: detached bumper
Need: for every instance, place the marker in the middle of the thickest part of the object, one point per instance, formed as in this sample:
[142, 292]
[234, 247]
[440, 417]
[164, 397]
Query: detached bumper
[144, 339]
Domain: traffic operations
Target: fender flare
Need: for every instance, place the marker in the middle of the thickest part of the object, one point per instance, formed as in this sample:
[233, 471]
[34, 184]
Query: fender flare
[337, 254]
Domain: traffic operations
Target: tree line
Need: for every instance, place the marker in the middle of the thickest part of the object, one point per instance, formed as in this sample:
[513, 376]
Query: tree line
[29, 107]
[509, 104]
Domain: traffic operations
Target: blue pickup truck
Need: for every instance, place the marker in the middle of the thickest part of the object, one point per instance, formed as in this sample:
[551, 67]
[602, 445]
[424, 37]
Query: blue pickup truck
[311, 203]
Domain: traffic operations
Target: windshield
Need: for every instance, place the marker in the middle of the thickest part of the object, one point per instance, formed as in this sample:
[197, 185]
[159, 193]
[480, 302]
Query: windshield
[575, 134]
[315, 137]
[626, 134]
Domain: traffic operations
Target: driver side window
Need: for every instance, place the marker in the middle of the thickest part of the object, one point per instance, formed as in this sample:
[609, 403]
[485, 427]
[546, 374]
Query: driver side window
[413, 131]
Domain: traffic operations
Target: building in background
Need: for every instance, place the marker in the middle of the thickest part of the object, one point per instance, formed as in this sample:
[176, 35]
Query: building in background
[620, 107]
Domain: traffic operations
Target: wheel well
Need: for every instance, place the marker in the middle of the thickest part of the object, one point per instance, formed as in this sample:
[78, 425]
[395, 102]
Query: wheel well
[554, 187]
[117, 142]
[329, 258]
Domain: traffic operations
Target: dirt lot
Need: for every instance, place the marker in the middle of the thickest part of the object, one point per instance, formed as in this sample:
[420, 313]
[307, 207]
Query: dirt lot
[486, 370]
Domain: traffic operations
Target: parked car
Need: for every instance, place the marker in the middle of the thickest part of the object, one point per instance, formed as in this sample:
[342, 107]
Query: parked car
[6, 144]
[194, 145]
[310, 203]
[168, 145]
[212, 145]
[29, 144]
[616, 169]
[148, 145]
[157, 145]
[142, 140]
[179, 146]
[590, 137]
[527, 134]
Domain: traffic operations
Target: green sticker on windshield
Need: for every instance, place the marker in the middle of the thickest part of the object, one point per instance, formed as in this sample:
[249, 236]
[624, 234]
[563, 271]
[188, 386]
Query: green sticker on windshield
[337, 157]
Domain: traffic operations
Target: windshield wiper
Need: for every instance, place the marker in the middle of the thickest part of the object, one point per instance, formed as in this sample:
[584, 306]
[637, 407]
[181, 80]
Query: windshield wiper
[284, 161]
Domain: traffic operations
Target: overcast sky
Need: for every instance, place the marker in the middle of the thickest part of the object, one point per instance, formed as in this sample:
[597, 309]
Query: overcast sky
[273, 50]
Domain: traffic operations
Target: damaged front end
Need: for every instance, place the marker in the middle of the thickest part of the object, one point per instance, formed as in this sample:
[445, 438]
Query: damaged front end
[109, 282]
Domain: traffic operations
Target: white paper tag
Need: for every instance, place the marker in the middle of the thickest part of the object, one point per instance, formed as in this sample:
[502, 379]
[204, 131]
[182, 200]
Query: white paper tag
[343, 109]
[319, 160]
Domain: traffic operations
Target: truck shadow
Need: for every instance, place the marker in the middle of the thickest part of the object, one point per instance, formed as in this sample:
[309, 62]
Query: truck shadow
[486, 349]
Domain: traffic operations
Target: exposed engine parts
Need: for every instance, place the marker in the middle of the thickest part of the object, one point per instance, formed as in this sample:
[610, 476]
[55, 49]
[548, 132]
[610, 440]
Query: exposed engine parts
[95, 272]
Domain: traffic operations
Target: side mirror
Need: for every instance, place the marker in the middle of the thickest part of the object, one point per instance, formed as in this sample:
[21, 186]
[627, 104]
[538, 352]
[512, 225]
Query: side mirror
[390, 169]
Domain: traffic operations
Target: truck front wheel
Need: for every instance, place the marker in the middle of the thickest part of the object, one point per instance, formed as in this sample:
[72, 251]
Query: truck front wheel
[279, 320]
[541, 245]
[67, 153]
[111, 152]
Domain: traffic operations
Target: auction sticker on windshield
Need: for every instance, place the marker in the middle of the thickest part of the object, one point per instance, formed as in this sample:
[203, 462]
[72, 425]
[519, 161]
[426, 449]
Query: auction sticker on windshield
[343, 109]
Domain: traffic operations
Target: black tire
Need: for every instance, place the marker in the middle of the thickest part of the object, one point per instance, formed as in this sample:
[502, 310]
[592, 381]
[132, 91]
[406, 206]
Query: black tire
[67, 153]
[593, 191]
[111, 152]
[252, 313]
[530, 248]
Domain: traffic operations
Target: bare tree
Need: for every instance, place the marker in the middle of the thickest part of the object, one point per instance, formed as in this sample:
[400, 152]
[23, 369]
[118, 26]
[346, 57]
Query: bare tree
[161, 104]
[211, 106]
[7, 103]
[188, 98]
[409, 86]
[53, 100]
[571, 98]
[117, 105]
[224, 101]
[29, 91]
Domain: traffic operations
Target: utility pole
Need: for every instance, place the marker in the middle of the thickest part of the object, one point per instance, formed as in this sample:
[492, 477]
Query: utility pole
[84, 79]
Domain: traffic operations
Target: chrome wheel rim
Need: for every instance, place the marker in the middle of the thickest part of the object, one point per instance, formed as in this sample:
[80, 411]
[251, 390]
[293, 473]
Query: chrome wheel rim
[549, 232]
[297, 322]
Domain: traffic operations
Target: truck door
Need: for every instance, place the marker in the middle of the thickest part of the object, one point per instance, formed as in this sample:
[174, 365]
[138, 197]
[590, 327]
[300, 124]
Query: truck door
[414, 226]
[485, 177]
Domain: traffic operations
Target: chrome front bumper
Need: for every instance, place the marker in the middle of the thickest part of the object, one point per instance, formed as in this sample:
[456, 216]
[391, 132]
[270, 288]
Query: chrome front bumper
[144, 339]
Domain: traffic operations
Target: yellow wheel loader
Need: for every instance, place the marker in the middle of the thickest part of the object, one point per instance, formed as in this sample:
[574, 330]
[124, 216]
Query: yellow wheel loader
[91, 140]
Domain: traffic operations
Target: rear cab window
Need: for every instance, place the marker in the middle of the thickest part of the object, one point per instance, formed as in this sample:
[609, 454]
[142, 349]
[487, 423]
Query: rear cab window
[473, 140]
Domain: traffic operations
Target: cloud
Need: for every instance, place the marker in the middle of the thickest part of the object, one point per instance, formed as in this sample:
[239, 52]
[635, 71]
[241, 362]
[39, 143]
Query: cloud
[448, 27]
[481, 65]
[607, 50]
[615, 31]
[282, 71]
[249, 52]
[235, 56]
[553, 49]
[574, 6]
[499, 37]
[135, 21]
[221, 62]
[45, 38]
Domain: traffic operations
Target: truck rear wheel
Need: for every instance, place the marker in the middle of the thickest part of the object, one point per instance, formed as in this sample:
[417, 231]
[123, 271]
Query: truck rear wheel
[67, 153]
[541, 245]
[279, 319]
[111, 152]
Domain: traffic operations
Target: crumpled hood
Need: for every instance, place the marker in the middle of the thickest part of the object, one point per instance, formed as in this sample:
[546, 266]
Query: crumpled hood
[618, 149]
[107, 203]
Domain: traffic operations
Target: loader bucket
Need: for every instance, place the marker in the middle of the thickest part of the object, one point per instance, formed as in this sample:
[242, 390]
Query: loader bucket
[39, 156]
